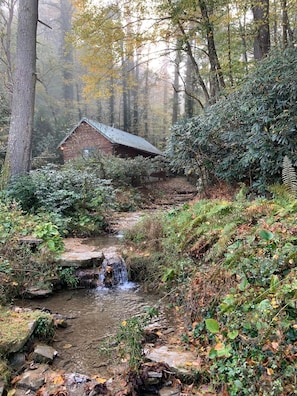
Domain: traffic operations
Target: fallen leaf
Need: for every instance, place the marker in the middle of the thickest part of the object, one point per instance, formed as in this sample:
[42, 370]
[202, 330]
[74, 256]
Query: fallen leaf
[197, 363]
[58, 380]
[100, 380]
[269, 371]
[219, 346]
[275, 346]
[15, 379]
[67, 346]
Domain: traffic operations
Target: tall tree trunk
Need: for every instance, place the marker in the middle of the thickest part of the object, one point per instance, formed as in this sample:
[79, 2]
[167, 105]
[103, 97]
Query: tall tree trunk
[175, 105]
[6, 20]
[189, 86]
[135, 118]
[189, 51]
[229, 50]
[146, 102]
[261, 22]
[217, 78]
[112, 102]
[126, 115]
[288, 35]
[67, 54]
[18, 157]
[242, 32]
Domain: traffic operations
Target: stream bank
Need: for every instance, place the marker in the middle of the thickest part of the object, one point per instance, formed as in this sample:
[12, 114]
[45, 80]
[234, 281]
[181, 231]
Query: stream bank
[160, 374]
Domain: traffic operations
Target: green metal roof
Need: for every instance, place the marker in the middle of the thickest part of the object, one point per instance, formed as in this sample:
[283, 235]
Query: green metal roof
[116, 136]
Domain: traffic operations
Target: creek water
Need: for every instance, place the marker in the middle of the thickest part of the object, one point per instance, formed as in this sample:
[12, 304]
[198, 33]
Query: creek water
[93, 315]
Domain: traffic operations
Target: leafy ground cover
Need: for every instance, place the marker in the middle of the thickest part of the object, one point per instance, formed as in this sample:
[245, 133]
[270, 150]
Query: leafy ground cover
[21, 263]
[229, 268]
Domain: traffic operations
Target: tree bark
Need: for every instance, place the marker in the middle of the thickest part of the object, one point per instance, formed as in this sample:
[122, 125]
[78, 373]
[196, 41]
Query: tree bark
[175, 102]
[216, 78]
[6, 22]
[18, 157]
[189, 87]
[67, 55]
[262, 36]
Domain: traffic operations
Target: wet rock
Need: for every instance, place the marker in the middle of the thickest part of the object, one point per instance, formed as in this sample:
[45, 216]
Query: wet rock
[88, 278]
[169, 391]
[178, 360]
[60, 321]
[37, 292]
[153, 378]
[44, 354]
[32, 380]
[17, 361]
[81, 259]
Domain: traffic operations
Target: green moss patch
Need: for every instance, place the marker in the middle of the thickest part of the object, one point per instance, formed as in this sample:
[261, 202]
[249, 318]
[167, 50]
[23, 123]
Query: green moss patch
[17, 327]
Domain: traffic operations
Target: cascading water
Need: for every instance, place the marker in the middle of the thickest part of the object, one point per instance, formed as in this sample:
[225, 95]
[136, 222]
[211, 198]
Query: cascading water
[94, 314]
[114, 271]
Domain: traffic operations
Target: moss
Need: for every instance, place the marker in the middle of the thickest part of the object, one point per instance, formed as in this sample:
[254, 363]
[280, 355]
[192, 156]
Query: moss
[16, 327]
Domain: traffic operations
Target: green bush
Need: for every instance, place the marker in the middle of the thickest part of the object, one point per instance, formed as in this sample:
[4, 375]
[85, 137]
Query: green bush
[75, 199]
[123, 172]
[21, 263]
[245, 136]
[67, 277]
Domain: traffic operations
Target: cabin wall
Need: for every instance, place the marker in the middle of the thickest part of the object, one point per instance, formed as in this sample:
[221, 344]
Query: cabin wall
[83, 141]
[129, 152]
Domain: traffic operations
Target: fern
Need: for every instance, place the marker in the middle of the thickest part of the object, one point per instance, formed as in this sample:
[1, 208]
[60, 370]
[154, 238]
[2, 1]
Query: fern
[289, 176]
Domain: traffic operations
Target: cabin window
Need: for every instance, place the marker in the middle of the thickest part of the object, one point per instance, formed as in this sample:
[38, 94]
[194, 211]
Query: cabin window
[88, 152]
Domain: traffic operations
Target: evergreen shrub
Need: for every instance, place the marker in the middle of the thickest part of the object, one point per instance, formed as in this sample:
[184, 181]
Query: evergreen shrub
[245, 136]
[76, 200]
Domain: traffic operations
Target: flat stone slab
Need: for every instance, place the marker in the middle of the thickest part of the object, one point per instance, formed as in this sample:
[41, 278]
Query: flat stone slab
[32, 380]
[44, 353]
[177, 359]
[81, 259]
[36, 292]
[16, 341]
[169, 391]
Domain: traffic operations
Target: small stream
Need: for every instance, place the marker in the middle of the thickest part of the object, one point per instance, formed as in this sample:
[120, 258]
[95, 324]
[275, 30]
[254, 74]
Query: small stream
[93, 315]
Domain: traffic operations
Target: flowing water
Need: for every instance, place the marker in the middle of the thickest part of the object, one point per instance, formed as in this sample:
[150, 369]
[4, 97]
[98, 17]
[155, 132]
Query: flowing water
[93, 315]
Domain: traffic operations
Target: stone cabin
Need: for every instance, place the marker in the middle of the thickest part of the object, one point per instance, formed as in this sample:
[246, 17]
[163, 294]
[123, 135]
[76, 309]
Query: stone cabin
[89, 137]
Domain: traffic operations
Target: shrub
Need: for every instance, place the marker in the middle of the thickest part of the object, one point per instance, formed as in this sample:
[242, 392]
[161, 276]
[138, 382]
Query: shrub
[245, 136]
[77, 200]
[20, 264]
[123, 171]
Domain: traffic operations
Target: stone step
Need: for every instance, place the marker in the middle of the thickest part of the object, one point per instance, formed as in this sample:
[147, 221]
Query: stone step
[81, 259]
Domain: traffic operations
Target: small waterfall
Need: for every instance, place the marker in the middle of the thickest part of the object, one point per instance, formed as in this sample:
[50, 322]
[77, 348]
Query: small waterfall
[114, 271]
